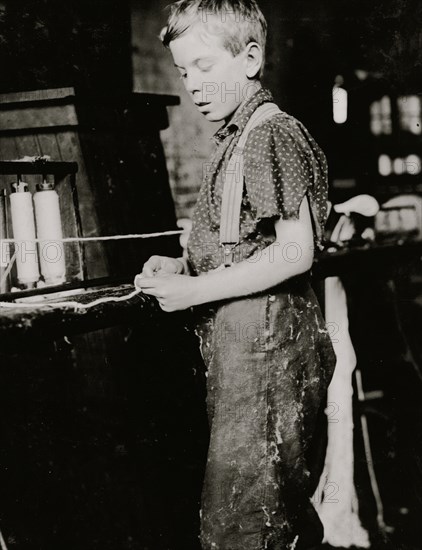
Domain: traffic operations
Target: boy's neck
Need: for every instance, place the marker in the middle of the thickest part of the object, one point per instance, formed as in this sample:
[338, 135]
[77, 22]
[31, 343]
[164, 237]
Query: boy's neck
[251, 90]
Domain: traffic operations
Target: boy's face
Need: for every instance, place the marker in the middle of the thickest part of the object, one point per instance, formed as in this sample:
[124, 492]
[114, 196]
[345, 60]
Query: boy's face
[213, 77]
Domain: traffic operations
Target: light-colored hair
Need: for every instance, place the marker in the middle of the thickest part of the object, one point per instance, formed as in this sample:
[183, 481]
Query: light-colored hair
[238, 22]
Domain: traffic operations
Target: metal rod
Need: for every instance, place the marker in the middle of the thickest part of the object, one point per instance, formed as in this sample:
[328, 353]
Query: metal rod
[4, 247]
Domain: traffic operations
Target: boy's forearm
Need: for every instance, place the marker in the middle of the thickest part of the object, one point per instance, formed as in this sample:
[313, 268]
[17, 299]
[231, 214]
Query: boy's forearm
[248, 277]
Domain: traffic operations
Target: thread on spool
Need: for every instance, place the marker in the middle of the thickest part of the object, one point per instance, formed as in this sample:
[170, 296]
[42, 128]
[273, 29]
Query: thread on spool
[50, 234]
[23, 224]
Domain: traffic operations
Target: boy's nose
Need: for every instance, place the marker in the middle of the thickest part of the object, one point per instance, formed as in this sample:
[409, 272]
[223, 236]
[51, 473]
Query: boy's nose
[192, 84]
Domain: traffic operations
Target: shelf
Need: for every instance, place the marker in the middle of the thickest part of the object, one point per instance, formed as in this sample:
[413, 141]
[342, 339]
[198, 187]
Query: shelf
[11, 167]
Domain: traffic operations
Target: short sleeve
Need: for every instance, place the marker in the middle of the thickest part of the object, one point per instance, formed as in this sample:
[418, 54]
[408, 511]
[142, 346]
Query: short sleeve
[282, 162]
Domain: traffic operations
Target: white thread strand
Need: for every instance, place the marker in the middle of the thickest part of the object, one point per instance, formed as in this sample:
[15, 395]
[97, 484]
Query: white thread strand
[70, 303]
[77, 305]
[95, 239]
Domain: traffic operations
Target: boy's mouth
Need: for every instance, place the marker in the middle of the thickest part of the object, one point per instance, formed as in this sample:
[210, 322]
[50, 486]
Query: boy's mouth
[202, 104]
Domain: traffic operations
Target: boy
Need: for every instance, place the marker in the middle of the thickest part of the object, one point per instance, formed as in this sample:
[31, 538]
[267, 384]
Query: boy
[268, 354]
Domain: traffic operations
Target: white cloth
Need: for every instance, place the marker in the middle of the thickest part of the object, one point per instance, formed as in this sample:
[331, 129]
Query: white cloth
[335, 498]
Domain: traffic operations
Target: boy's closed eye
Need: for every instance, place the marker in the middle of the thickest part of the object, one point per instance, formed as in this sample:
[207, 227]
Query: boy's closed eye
[205, 67]
[184, 75]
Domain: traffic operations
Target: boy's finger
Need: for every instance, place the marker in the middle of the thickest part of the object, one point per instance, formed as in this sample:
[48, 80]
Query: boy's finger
[150, 269]
[152, 292]
[147, 271]
[151, 266]
[144, 282]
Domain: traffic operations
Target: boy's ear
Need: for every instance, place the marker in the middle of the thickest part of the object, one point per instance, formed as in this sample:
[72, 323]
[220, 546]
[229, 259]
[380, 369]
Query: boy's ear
[254, 59]
[163, 33]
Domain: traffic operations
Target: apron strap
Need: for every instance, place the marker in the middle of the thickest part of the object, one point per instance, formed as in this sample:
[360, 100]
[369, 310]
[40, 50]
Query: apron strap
[233, 184]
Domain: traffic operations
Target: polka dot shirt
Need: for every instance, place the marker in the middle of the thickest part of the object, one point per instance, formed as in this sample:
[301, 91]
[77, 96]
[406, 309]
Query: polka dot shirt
[282, 164]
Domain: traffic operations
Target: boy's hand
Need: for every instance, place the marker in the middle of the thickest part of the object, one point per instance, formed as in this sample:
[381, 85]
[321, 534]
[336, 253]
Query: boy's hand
[161, 265]
[173, 292]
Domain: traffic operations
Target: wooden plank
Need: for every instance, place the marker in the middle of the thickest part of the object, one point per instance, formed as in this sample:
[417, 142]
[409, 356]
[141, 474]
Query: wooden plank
[22, 118]
[60, 95]
[96, 260]
[38, 167]
[37, 95]
[8, 151]
[28, 146]
[74, 252]
[49, 146]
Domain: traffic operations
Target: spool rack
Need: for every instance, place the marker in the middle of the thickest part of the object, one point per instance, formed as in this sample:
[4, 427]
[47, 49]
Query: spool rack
[62, 172]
